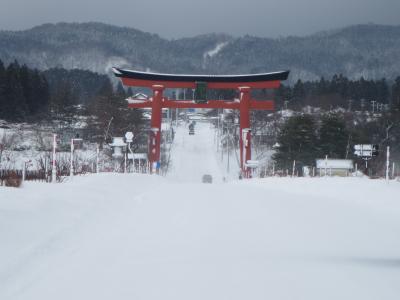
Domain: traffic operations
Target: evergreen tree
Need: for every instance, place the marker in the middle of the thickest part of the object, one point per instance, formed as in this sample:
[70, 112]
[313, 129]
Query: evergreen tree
[297, 141]
[63, 101]
[2, 89]
[27, 87]
[15, 108]
[333, 137]
[40, 98]
[396, 94]
[299, 91]
[129, 92]
[382, 91]
[120, 91]
[23, 93]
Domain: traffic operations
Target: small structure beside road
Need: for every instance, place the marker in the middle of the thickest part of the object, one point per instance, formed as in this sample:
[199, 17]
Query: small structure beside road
[334, 167]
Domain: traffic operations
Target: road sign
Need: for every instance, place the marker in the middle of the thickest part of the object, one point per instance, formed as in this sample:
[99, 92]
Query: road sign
[375, 150]
[366, 150]
[129, 137]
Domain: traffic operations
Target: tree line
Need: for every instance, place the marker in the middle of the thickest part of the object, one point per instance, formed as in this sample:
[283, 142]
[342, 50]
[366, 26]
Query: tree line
[24, 93]
[342, 92]
[67, 97]
[304, 138]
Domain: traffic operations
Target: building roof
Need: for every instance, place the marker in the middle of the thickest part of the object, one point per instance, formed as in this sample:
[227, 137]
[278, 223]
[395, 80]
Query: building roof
[282, 75]
[141, 96]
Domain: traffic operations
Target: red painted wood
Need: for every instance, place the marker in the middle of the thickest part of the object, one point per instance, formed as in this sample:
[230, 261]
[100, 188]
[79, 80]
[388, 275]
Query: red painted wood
[192, 85]
[245, 104]
[209, 104]
[235, 85]
[245, 148]
[172, 103]
[156, 118]
[150, 83]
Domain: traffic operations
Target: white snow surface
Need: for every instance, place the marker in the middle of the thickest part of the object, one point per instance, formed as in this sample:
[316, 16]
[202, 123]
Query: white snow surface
[215, 50]
[194, 155]
[131, 236]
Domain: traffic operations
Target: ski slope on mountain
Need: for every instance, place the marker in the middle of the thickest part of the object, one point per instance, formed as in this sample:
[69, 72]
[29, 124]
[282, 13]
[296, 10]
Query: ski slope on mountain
[131, 236]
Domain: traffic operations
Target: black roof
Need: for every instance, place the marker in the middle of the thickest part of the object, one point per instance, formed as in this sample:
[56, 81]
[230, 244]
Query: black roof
[283, 75]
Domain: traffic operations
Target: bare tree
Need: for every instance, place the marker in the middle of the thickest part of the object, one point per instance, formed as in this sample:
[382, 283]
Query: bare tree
[7, 143]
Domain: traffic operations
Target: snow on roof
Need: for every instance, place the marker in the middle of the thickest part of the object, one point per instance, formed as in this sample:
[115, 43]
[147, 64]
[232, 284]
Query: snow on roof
[334, 163]
[118, 142]
[131, 100]
[140, 96]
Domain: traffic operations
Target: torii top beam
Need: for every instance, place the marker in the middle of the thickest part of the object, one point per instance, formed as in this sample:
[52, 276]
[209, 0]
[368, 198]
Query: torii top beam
[146, 79]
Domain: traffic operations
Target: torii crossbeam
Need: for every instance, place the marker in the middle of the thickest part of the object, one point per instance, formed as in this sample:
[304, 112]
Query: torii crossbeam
[244, 83]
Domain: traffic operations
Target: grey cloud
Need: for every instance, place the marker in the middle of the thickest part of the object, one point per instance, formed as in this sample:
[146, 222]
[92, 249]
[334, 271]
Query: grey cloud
[179, 18]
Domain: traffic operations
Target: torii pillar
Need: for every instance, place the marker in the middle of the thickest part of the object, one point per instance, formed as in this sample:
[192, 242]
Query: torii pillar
[245, 131]
[156, 118]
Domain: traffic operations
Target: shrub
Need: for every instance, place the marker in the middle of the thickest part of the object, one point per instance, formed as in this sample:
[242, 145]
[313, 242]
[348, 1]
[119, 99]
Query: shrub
[13, 180]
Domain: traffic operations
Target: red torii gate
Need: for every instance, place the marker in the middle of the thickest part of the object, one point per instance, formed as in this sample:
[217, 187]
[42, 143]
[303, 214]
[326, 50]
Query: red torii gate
[244, 83]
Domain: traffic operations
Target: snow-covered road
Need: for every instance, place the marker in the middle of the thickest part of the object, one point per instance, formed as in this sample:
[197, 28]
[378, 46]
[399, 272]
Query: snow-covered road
[116, 236]
[194, 155]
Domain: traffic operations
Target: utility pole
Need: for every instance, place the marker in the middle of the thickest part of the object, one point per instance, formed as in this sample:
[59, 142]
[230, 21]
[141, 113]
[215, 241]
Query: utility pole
[294, 167]
[222, 145]
[218, 129]
[387, 163]
[97, 158]
[125, 162]
[71, 167]
[227, 169]
[177, 110]
[393, 167]
[350, 104]
[53, 169]
[286, 104]
[373, 106]
[326, 164]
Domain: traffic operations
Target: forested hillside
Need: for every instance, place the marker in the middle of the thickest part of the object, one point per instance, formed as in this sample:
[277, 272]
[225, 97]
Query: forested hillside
[371, 51]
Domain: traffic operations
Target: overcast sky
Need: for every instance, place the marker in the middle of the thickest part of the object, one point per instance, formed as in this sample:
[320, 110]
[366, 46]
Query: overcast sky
[184, 18]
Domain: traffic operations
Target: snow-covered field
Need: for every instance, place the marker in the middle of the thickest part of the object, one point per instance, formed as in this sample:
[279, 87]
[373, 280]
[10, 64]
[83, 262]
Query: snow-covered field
[116, 236]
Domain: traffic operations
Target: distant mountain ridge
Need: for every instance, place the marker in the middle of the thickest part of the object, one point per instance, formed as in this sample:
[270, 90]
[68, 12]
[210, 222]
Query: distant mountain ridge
[371, 51]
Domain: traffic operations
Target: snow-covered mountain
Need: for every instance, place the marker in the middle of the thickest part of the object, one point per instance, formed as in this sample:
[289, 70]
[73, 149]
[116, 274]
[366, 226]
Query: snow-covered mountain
[369, 50]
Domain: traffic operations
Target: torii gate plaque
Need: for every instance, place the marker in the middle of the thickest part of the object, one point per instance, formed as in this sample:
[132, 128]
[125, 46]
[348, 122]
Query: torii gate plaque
[244, 83]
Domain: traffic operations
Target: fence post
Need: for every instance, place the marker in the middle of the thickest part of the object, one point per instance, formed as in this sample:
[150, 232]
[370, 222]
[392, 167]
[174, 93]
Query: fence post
[97, 159]
[53, 169]
[294, 167]
[393, 166]
[23, 171]
[387, 163]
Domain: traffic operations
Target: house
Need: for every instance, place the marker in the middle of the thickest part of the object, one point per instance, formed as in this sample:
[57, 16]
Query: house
[334, 167]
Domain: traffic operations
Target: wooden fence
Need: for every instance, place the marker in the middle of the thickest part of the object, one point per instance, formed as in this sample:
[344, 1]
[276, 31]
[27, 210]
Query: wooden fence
[38, 175]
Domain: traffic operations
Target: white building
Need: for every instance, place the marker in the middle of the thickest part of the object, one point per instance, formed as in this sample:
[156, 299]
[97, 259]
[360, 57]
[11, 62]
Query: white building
[334, 167]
